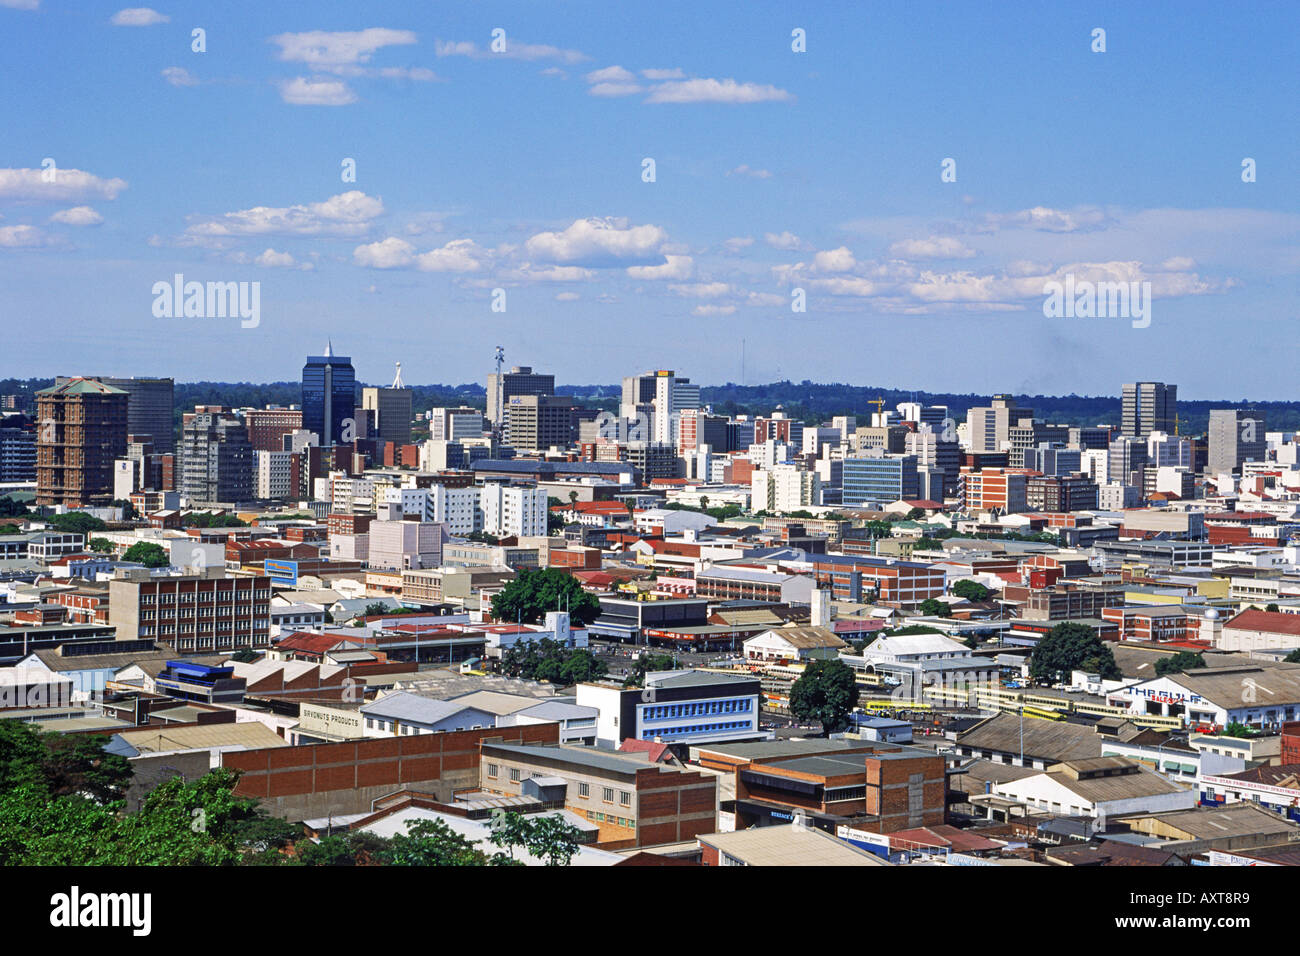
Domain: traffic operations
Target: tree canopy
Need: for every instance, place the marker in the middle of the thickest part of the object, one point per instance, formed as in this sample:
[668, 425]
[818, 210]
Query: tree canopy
[548, 660]
[1071, 647]
[147, 553]
[532, 593]
[826, 692]
[1177, 663]
[971, 590]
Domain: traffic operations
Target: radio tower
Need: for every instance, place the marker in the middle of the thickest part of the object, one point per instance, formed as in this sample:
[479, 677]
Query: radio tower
[500, 393]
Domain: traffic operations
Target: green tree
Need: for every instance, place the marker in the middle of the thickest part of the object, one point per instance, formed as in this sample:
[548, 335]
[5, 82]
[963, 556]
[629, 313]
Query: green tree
[75, 522]
[100, 545]
[434, 843]
[932, 607]
[1271, 607]
[1177, 663]
[547, 660]
[1236, 729]
[644, 664]
[548, 838]
[532, 593]
[826, 692]
[128, 510]
[1293, 657]
[147, 553]
[1071, 647]
[245, 656]
[971, 590]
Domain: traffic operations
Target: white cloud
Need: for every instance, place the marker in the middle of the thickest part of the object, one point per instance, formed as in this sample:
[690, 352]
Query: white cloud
[846, 285]
[935, 247]
[611, 74]
[594, 242]
[701, 290]
[323, 50]
[526, 272]
[614, 89]
[459, 255]
[1045, 219]
[784, 240]
[567, 297]
[139, 17]
[708, 310]
[23, 237]
[179, 76]
[715, 91]
[513, 51]
[390, 253]
[347, 214]
[77, 216]
[676, 267]
[21, 4]
[745, 170]
[738, 243]
[271, 259]
[834, 260]
[302, 91]
[68, 184]
[766, 299]
[673, 74]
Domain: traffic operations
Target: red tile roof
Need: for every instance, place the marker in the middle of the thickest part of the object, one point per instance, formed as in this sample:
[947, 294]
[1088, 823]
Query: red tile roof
[1273, 622]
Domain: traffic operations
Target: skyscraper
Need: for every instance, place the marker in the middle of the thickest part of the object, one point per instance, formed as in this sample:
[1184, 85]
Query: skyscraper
[329, 396]
[216, 459]
[392, 410]
[81, 430]
[520, 380]
[149, 407]
[1236, 436]
[1148, 407]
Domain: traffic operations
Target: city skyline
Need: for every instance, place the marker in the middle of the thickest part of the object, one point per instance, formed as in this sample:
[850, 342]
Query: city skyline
[415, 172]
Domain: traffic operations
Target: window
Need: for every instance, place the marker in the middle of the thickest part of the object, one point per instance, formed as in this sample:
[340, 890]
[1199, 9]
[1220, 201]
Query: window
[624, 798]
[514, 774]
[493, 770]
[584, 790]
[608, 795]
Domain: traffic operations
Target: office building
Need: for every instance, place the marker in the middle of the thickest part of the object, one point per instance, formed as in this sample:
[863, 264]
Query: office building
[783, 488]
[989, 427]
[539, 422]
[149, 407]
[17, 453]
[1061, 493]
[932, 452]
[454, 424]
[390, 409]
[329, 397]
[276, 475]
[193, 613]
[517, 510]
[520, 380]
[82, 431]
[1235, 436]
[1029, 435]
[875, 482]
[993, 489]
[1128, 456]
[216, 459]
[267, 427]
[1148, 407]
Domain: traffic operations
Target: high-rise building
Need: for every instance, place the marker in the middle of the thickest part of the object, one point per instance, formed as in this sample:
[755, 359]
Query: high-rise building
[933, 415]
[198, 612]
[268, 426]
[329, 396]
[993, 489]
[933, 452]
[696, 427]
[520, 380]
[81, 430]
[661, 395]
[392, 410]
[1236, 435]
[878, 481]
[277, 474]
[514, 509]
[453, 424]
[150, 407]
[17, 451]
[538, 422]
[1128, 456]
[989, 426]
[1029, 435]
[784, 488]
[1148, 407]
[216, 459]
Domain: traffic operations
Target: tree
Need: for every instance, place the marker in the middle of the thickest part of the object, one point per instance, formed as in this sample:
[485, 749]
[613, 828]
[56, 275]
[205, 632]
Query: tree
[147, 553]
[1177, 663]
[1271, 607]
[971, 590]
[245, 656]
[548, 838]
[1293, 657]
[1071, 647]
[644, 664]
[1236, 729]
[573, 498]
[915, 514]
[532, 593]
[932, 607]
[826, 692]
[128, 510]
[434, 843]
[76, 522]
[547, 660]
[101, 545]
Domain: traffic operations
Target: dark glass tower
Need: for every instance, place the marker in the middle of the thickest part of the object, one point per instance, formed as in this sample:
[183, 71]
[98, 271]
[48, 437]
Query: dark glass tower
[328, 395]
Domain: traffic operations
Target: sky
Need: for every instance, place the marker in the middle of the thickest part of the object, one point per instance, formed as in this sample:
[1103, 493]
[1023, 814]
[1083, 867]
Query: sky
[395, 184]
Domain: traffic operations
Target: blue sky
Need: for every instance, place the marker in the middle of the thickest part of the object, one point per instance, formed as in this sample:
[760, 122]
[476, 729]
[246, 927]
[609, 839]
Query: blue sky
[774, 171]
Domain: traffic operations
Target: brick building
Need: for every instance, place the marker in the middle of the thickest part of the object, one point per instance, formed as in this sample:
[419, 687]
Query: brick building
[193, 613]
[82, 430]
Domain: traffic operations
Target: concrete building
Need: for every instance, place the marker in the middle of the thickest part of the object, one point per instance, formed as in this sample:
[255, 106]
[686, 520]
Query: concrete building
[402, 545]
[681, 706]
[1148, 407]
[216, 459]
[329, 397]
[511, 509]
[454, 424]
[1100, 788]
[82, 431]
[989, 427]
[1236, 436]
[391, 410]
[193, 613]
[520, 380]
[875, 482]
[784, 488]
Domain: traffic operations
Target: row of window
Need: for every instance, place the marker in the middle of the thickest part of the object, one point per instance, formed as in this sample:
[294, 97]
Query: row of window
[584, 789]
[695, 729]
[704, 709]
[606, 818]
